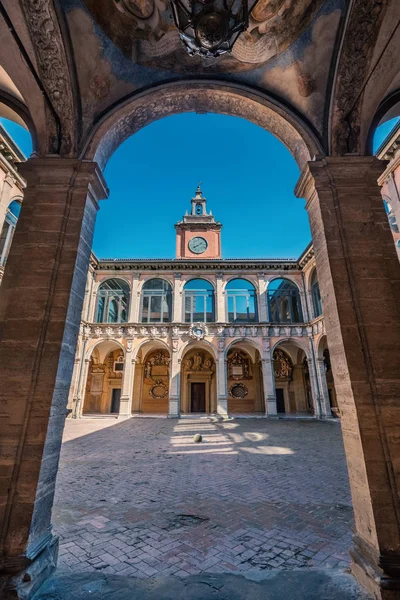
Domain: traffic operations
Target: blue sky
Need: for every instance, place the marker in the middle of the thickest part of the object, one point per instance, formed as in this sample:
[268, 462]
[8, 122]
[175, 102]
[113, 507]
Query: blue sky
[247, 176]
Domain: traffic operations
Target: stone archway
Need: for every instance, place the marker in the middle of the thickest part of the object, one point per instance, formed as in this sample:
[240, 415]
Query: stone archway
[152, 381]
[244, 380]
[201, 96]
[294, 394]
[104, 379]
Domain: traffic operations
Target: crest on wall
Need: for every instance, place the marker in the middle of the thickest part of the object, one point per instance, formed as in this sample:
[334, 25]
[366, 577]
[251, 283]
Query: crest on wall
[283, 367]
[157, 359]
[238, 366]
[198, 331]
[198, 362]
[159, 390]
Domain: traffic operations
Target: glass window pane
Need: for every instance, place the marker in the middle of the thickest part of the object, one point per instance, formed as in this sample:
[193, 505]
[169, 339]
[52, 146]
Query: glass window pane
[231, 308]
[188, 308]
[155, 309]
[199, 312]
[100, 310]
[113, 312]
[145, 310]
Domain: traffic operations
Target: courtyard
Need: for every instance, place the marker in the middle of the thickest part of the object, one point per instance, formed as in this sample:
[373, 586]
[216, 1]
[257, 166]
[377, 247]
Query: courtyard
[139, 498]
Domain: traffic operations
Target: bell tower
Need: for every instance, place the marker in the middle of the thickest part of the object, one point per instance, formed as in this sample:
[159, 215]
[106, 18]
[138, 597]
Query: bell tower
[198, 235]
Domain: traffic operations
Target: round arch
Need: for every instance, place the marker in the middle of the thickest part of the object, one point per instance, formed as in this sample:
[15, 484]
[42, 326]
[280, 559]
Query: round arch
[152, 344]
[100, 282]
[243, 340]
[201, 278]
[295, 342]
[113, 345]
[210, 96]
[193, 344]
[142, 282]
[287, 277]
[245, 278]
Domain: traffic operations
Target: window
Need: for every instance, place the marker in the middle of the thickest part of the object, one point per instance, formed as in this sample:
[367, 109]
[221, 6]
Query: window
[157, 301]
[284, 302]
[199, 301]
[113, 301]
[198, 209]
[316, 295]
[8, 229]
[241, 300]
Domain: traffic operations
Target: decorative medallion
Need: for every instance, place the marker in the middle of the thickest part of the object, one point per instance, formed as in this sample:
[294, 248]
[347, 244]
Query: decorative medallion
[198, 331]
[159, 390]
[238, 390]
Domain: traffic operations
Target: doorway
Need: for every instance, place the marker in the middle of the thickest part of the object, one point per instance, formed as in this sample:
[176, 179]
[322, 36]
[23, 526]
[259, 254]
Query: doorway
[280, 400]
[115, 400]
[198, 397]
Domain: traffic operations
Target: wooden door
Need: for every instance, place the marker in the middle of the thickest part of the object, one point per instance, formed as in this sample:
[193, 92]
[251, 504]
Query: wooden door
[198, 398]
[115, 400]
[280, 401]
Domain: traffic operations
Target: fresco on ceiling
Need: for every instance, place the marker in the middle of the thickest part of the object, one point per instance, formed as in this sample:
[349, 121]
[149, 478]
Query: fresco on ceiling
[144, 31]
[296, 69]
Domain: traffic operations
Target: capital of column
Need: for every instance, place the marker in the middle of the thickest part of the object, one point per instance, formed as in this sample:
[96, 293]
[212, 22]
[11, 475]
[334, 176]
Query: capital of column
[68, 173]
[334, 171]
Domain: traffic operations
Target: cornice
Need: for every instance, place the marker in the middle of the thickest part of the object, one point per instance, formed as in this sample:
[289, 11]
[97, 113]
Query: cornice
[183, 265]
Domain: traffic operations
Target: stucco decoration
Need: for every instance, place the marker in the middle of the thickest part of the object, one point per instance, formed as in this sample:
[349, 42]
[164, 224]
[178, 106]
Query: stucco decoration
[202, 97]
[53, 68]
[354, 65]
[144, 31]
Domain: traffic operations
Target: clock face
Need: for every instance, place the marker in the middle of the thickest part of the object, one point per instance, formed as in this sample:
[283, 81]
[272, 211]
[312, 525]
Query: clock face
[198, 245]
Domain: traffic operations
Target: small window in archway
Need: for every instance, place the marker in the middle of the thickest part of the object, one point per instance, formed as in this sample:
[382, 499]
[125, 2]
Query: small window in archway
[113, 301]
[316, 295]
[284, 302]
[241, 299]
[157, 301]
[8, 229]
[199, 301]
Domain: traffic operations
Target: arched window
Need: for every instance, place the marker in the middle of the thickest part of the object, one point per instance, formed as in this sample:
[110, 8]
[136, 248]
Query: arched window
[8, 229]
[316, 295]
[113, 301]
[157, 301]
[241, 299]
[284, 302]
[199, 301]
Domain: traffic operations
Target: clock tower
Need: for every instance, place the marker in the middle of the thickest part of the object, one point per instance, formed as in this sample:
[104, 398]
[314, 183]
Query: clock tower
[198, 235]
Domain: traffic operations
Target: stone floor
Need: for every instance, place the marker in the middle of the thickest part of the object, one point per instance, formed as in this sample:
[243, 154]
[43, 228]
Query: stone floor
[139, 498]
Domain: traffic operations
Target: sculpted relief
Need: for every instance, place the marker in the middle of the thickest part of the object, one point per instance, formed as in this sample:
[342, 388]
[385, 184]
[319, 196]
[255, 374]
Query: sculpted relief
[145, 32]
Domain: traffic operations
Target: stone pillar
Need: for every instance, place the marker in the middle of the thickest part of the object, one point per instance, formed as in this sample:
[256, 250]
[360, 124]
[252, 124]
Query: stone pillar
[81, 390]
[125, 406]
[220, 304]
[314, 382]
[262, 300]
[222, 387]
[41, 300]
[134, 304]
[268, 379]
[359, 275]
[174, 382]
[324, 394]
[177, 316]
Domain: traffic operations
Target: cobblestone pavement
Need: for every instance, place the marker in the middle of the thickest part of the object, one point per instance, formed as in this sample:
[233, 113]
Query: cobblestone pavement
[139, 497]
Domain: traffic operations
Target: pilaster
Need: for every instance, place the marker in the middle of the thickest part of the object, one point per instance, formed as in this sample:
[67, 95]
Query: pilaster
[42, 291]
[174, 383]
[268, 379]
[220, 300]
[178, 316]
[324, 395]
[134, 303]
[125, 406]
[222, 384]
[261, 299]
[359, 277]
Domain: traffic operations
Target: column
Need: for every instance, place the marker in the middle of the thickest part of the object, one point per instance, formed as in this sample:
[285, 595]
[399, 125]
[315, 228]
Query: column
[177, 316]
[134, 303]
[359, 273]
[261, 299]
[268, 379]
[315, 391]
[81, 391]
[324, 394]
[220, 304]
[222, 387]
[174, 383]
[125, 406]
[41, 300]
